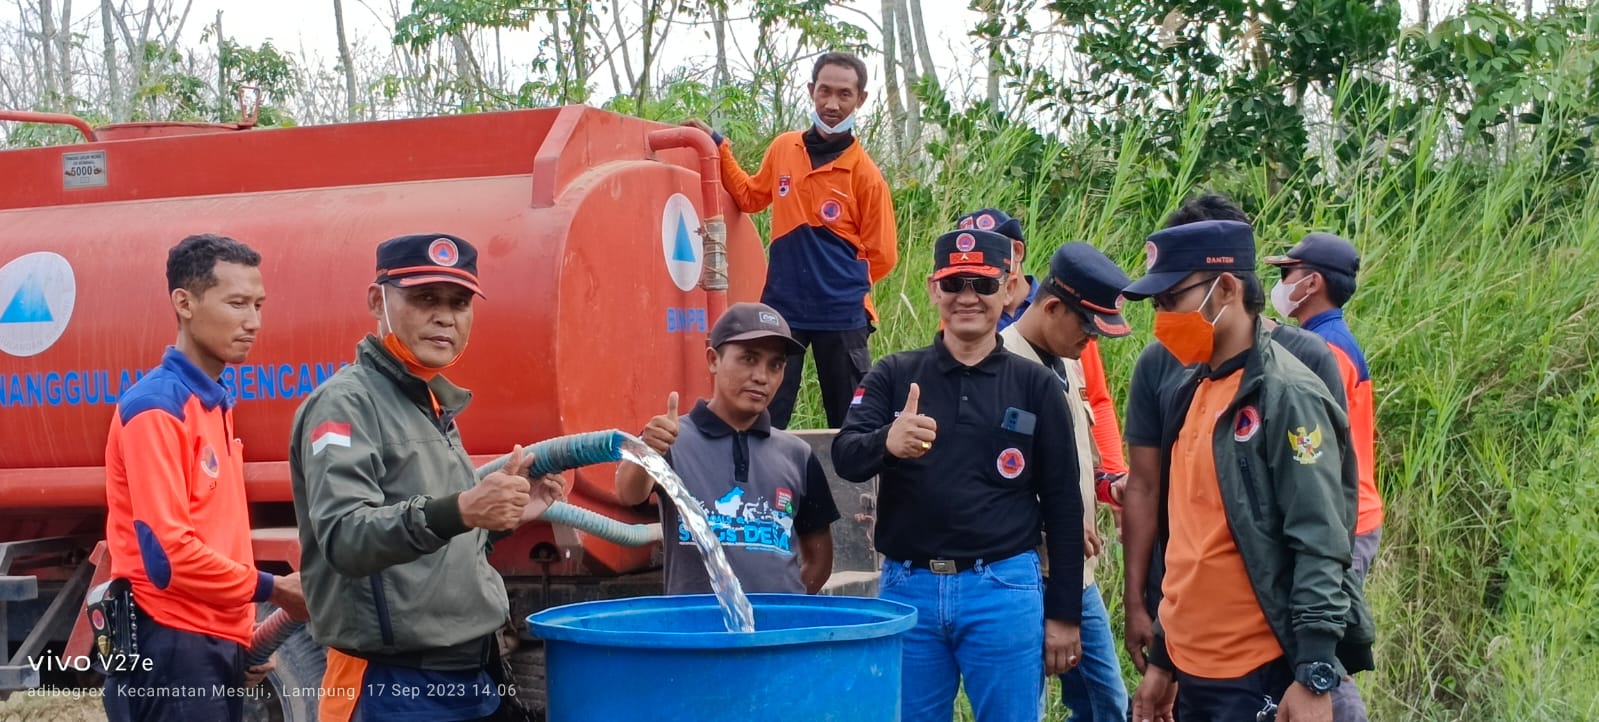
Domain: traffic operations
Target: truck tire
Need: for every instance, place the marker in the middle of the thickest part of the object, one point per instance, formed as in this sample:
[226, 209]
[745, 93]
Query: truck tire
[291, 690]
[527, 671]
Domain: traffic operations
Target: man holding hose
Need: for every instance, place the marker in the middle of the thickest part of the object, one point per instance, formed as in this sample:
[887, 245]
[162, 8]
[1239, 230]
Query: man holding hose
[393, 528]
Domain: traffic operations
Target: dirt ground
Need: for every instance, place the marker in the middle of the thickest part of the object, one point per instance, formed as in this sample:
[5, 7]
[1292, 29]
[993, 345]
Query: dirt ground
[74, 705]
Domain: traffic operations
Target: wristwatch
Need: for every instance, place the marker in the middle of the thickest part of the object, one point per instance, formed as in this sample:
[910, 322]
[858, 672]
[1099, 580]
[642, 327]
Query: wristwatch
[1318, 677]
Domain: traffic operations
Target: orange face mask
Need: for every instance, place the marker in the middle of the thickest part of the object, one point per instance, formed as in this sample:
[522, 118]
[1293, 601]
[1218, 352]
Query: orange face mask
[1188, 335]
[404, 353]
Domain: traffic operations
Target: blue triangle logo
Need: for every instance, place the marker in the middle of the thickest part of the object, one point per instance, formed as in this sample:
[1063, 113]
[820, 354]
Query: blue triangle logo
[28, 305]
[683, 250]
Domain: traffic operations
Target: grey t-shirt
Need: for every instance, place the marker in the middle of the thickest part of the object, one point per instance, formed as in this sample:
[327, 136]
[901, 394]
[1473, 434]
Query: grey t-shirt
[1156, 375]
[761, 489]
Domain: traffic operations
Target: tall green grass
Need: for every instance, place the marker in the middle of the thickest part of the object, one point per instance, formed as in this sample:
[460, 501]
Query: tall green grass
[1477, 309]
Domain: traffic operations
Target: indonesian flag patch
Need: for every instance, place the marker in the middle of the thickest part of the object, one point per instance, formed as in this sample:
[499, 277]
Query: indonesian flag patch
[860, 395]
[330, 433]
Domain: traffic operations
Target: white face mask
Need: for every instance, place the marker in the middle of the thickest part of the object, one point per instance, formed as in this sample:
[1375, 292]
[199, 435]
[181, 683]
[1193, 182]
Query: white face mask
[1282, 298]
[844, 126]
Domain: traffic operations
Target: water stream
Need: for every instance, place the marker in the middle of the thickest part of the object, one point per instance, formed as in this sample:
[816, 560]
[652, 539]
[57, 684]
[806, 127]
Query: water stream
[737, 613]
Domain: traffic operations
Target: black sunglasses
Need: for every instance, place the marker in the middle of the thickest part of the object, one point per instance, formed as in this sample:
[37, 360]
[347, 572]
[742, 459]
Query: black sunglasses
[957, 284]
[1168, 300]
[1082, 314]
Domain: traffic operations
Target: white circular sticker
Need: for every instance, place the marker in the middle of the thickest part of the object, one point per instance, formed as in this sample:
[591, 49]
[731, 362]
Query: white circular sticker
[681, 244]
[37, 294]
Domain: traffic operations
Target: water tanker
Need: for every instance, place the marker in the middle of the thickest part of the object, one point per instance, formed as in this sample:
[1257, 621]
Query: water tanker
[607, 248]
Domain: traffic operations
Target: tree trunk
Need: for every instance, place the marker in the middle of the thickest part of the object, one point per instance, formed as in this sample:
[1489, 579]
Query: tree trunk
[108, 53]
[641, 82]
[907, 56]
[64, 53]
[608, 54]
[222, 74]
[923, 51]
[996, 65]
[350, 102]
[896, 105]
[561, 78]
[719, 22]
[47, 42]
[1426, 14]
[577, 29]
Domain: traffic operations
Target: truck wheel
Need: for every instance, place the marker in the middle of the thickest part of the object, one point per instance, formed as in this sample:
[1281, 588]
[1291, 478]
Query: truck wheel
[289, 693]
[527, 671]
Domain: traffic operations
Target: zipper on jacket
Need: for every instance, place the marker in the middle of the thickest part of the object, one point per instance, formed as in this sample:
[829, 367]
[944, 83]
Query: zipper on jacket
[1249, 486]
[382, 603]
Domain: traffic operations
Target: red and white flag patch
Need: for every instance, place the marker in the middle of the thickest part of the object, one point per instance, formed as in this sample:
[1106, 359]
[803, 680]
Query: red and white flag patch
[860, 395]
[330, 433]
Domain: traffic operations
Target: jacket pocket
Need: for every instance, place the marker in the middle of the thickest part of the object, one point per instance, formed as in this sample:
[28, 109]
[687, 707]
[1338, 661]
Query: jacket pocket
[380, 602]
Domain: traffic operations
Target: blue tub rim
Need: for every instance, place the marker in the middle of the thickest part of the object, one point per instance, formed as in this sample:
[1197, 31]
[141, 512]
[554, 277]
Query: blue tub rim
[882, 618]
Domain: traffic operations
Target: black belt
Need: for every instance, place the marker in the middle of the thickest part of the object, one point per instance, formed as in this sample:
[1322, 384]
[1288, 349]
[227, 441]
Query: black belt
[952, 565]
[943, 565]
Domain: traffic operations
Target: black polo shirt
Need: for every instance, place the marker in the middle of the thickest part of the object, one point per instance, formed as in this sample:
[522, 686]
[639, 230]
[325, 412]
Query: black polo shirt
[995, 476]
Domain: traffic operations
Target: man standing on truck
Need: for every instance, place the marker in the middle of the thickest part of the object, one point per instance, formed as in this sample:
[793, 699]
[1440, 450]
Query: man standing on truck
[393, 530]
[761, 488]
[1078, 301]
[1320, 270]
[833, 235]
[1258, 612]
[177, 525]
[965, 439]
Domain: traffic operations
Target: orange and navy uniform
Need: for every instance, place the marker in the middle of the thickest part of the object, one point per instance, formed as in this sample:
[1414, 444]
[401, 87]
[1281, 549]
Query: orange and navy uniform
[833, 231]
[1331, 326]
[177, 523]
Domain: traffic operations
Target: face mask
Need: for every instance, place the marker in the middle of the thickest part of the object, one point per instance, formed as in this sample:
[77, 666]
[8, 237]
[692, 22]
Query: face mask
[1187, 334]
[403, 352]
[844, 126]
[1282, 298]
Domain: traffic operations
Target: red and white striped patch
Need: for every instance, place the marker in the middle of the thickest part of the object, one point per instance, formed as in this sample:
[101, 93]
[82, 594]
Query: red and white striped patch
[330, 433]
[860, 395]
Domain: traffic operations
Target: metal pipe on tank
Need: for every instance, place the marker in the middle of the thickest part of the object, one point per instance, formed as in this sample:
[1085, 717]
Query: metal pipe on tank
[28, 116]
[713, 276]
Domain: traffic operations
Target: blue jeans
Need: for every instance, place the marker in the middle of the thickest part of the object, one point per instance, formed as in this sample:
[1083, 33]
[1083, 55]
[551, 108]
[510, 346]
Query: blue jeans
[984, 625]
[1094, 689]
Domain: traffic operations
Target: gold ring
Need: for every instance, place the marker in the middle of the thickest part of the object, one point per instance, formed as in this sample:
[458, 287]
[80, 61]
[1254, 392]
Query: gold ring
[927, 445]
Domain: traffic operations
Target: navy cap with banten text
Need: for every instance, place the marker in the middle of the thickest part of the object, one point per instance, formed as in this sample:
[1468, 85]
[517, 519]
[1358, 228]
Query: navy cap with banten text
[972, 253]
[424, 258]
[1079, 273]
[1322, 251]
[1172, 254]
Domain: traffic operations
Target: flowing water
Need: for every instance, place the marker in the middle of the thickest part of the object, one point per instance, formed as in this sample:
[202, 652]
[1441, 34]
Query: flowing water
[737, 613]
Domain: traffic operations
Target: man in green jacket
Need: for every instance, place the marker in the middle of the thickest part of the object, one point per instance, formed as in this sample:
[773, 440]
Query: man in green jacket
[1259, 609]
[393, 525]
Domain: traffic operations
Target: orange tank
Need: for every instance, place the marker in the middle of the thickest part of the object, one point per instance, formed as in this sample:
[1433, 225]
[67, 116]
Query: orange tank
[589, 226]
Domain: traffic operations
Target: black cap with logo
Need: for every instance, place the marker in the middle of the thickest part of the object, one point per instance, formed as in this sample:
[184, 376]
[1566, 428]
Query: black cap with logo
[424, 258]
[751, 321]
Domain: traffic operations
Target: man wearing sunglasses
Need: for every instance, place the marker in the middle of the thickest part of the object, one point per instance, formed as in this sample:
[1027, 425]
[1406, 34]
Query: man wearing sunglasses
[1257, 598]
[1020, 291]
[1080, 300]
[965, 440]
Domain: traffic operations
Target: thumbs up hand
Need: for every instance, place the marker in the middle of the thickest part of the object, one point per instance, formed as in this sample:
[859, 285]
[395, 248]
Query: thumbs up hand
[662, 430]
[912, 434]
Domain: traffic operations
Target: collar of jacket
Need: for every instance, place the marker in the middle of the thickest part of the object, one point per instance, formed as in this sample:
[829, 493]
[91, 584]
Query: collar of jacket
[209, 391]
[846, 160]
[948, 363]
[452, 399]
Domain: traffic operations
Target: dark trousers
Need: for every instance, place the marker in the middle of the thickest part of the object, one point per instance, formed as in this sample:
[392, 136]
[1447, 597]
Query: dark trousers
[842, 360]
[189, 678]
[1234, 700]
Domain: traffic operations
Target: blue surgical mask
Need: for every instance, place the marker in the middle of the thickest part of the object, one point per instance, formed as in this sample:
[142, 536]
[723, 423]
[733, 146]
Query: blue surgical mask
[844, 126]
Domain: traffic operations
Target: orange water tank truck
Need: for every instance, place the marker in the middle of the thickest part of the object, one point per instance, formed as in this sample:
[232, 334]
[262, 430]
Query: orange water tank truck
[599, 258]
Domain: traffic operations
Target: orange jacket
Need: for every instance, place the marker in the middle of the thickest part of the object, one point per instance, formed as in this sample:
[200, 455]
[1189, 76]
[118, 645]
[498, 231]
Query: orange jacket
[177, 524]
[833, 232]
